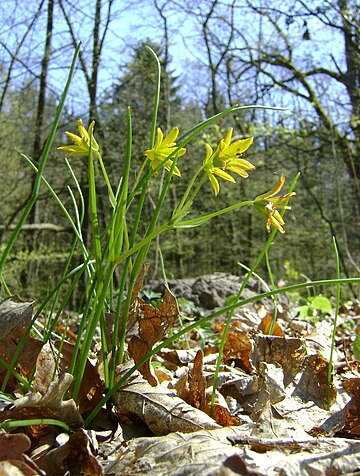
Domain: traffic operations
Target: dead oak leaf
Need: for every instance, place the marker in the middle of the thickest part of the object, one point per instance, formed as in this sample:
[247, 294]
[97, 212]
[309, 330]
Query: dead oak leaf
[265, 325]
[286, 352]
[313, 385]
[50, 405]
[74, 457]
[15, 316]
[160, 408]
[197, 383]
[197, 396]
[238, 348]
[223, 417]
[14, 313]
[153, 324]
[352, 411]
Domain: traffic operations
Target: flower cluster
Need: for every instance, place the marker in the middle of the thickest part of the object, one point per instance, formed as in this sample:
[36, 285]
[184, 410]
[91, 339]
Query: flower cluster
[226, 158]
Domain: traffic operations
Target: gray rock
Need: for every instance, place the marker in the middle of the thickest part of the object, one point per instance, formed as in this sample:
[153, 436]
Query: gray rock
[208, 291]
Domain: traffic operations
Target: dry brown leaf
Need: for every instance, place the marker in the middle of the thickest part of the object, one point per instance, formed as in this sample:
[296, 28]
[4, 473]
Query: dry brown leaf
[17, 468]
[265, 324]
[313, 383]
[14, 313]
[50, 365]
[197, 383]
[45, 369]
[91, 388]
[162, 376]
[135, 299]
[74, 457]
[13, 460]
[237, 347]
[160, 409]
[287, 352]
[352, 412]
[153, 325]
[209, 453]
[50, 405]
[222, 416]
[13, 446]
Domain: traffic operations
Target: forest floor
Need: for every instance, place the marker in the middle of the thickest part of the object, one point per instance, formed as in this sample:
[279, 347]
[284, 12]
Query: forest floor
[274, 411]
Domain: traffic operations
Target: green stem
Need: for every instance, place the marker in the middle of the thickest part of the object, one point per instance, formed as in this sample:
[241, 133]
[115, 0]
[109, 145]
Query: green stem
[337, 307]
[11, 424]
[189, 187]
[200, 220]
[272, 283]
[107, 181]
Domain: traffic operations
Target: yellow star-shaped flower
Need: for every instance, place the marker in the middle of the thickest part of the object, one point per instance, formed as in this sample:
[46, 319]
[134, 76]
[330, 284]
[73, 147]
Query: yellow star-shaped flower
[163, 148]
[227, 158]
[267, 205]
[81, 144]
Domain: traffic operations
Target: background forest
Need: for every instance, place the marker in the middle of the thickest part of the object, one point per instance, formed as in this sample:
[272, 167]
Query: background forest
[298, 55]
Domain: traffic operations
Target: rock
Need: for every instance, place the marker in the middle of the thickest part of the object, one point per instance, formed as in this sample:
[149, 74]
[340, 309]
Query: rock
[208, 291]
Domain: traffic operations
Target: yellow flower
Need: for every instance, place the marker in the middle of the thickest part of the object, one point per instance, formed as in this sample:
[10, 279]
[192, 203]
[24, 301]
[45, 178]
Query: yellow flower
[163, 148]
[81, 146]
[227, 157]
[268, 203]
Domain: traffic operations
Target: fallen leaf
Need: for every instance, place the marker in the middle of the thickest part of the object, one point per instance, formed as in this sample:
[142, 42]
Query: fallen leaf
[25, 362]
[13, 446]
[153, 325]
[222, 416]
[13, 460]
[237, 347]
[18, 468]
[75, 457]
[352, 411]
[91, 388]
[313, 384]
[45, 369]
[197, 383]
[287, 352]
[159, 408]
[222, 452]
[265, 324]
[50, 405]
[13, 313]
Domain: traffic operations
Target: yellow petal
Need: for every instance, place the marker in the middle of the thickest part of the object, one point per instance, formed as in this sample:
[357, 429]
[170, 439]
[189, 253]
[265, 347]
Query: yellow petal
[238, 147]
[222, 174]
[82, 130]
[228, 137]
[215, 184]
[276, 224]
[74, 137]
[208, 153]
[276, 189]
[243, 164]
[168, 166]
[171, 137]
[239, 171]
[159, 137]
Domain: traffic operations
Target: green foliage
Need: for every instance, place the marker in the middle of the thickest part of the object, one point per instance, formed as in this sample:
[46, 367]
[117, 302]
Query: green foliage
[314, 307]
[356, 347]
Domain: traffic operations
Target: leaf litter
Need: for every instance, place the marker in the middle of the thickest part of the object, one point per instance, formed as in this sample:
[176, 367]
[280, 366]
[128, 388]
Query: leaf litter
[274, 412]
